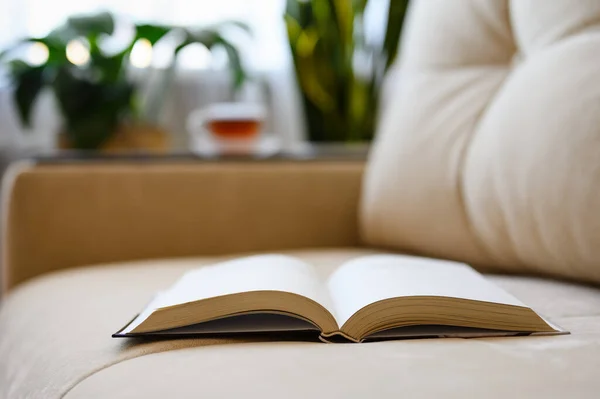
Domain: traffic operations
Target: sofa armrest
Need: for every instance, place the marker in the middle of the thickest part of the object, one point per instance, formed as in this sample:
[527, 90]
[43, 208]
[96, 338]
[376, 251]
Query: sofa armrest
[68, 215]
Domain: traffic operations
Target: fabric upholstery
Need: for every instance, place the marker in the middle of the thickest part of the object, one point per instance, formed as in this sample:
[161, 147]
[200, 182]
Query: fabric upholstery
[67, 215]
[55, 342]
[489, 151]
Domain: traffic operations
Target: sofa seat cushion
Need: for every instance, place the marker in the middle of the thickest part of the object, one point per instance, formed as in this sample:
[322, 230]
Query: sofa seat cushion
[55, 342]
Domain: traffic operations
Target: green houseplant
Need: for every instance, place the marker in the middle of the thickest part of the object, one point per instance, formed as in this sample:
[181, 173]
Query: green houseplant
[338, 72]
[97, 98]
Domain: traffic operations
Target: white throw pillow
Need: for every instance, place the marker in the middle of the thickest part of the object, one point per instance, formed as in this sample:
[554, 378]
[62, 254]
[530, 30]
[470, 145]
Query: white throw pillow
[489, 151]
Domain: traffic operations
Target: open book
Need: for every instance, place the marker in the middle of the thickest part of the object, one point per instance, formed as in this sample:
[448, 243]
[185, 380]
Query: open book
[371, 297]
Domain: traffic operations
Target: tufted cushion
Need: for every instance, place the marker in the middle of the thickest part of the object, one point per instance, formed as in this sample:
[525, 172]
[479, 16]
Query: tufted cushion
[489, 151]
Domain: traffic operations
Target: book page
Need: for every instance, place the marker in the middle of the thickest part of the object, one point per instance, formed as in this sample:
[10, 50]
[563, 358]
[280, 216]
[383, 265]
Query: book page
[363, 281]
[253, 273]
[245, 323]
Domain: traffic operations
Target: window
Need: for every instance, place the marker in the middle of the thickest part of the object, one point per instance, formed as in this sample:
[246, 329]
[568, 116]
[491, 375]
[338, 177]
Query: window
[266, 55]
[20, 18]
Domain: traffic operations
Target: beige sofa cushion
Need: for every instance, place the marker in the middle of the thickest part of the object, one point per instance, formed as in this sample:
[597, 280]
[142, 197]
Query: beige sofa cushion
[490, 149]
[55, 342]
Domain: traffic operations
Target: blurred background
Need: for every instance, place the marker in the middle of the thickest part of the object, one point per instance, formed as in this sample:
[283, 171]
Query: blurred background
[182, 75]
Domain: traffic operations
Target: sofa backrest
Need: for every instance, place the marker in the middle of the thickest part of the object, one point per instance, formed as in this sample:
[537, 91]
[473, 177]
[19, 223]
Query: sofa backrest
[70, 215]
[490, 149]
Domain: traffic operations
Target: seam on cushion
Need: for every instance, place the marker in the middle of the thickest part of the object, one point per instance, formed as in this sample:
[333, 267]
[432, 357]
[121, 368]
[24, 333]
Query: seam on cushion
[575, 33]
[479, 240]
[107, 366]
[417, 68]
[99, 369]
[84, 377]
[572, 32]
[510, 65]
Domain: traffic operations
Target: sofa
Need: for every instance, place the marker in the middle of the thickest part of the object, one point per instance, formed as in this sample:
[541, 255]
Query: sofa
[487, 153]
[87, 245]
[109, 213]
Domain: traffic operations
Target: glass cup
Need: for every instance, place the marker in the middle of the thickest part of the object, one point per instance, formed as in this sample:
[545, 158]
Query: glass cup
[234, 127]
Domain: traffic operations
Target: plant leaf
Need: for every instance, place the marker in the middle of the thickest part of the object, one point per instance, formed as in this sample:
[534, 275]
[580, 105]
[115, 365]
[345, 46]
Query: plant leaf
[211, 38]
[93, 24]
[323, 16]
[238, 24]
[292, 8]
[344, 16]
[293, 29]
[301, 11]
[152, 33]
[206, 37]
[235, 64]
[93, 131]
[92, 110]
[4, 53]
[29, 82]
[110, 67]
[57, 51]
[396, 14]
[307, 40]
[63, 35]
[308, 71]
[359, 6]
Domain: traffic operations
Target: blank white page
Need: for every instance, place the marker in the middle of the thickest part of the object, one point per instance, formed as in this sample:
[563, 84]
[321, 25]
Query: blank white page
[253, 273]
[363, 281]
